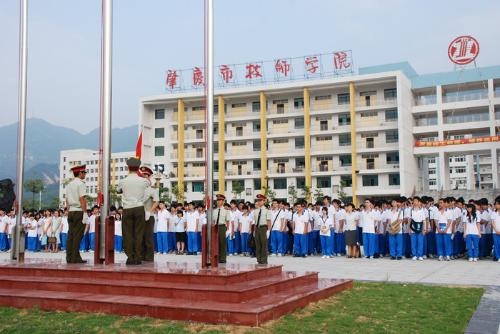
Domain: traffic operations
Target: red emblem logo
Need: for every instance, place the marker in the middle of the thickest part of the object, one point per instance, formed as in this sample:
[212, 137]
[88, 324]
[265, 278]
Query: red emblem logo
[463, 50]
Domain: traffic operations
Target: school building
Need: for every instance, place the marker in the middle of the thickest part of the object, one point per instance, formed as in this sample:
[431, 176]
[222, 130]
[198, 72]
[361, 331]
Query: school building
[382, 132]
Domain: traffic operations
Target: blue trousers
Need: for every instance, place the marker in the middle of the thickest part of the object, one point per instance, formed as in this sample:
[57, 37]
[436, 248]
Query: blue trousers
[339, 243]
[155, 241]
[369, 241]
[92, 240]
[237, 243]
[406, 245]
[417, 244]
[382, 242]
[192, 242]
[299, 244]
[244, 242]
[118, 243]
[32, 243]
[313, 242]
[496, 246]
[431, 243]
[472, 245]
[488, 243]
[84, 244]
[325, 245]
[3, 242]
[396, 245]
[171, 241]
[198, 238]
[275, 241]
[64, 240]
[458, 243]
[162, 242]
[444, 244]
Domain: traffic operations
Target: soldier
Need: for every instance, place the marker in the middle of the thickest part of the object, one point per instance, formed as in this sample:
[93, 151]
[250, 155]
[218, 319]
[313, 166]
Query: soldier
[262, 221]
[133, 189]
[221, 217]
[76, 205]
[151, 200]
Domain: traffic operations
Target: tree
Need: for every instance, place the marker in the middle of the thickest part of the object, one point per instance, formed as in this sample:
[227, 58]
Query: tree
[34, 186]
[179, 197]
[270, 194]
[342, 195]
[318, 195]
[292, 192]
[306, 193]
[238, 188]
[114, 197]
[165, 195]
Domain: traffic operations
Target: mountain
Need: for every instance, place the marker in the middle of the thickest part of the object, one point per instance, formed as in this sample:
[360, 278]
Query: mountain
[44, 141]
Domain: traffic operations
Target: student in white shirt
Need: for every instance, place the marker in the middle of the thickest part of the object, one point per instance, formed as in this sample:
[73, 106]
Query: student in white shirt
[277, 226]
[444, 222]
[91, 228]
[64, 229]
[244, 223]
[370, 222]
[472, 232]
[325, 224]
[192, 223]
[162, 228]
[300, 229]
[395, 227]
[118, 233]
[495, 227]
[418, 223]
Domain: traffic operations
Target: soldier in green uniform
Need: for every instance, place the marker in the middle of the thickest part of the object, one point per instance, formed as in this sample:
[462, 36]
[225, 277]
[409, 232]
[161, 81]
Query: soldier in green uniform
[133, 190]
[221, 217]
[262, 221]
[76, 204]
[152, 198]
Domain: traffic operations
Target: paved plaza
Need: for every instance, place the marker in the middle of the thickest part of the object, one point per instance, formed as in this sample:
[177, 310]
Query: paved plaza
[460, 272]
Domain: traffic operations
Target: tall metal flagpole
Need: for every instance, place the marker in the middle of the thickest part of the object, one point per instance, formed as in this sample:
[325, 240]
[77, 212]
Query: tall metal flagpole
[210, 121]
[106, 90]
[23, 71]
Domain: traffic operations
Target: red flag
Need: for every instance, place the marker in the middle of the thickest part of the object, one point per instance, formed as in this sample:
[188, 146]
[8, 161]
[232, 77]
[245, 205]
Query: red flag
[138, 147]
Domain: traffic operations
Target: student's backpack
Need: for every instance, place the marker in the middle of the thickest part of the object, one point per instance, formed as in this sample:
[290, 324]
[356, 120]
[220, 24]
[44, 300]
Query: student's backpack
[7, 196]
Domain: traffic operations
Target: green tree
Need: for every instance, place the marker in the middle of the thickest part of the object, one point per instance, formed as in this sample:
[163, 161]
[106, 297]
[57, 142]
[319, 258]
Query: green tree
[318, 195]
[292, 192]
[165, 195]
[34, 186]
[114, 197]
[306, 193]
[238, 188]
[270, 194]
[342, 195]
[179, 197]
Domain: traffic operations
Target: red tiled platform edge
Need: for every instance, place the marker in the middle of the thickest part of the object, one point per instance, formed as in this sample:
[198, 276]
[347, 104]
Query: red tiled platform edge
[235, 294]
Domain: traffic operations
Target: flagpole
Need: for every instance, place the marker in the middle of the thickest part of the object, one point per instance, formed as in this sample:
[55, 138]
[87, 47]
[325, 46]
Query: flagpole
[209, 35]
[21, 135]
[105, 112]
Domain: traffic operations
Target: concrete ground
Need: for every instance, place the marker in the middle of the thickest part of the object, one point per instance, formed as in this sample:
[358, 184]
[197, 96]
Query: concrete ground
[460, 272]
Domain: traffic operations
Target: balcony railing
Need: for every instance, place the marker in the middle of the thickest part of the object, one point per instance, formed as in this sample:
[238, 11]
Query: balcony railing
[464, 96]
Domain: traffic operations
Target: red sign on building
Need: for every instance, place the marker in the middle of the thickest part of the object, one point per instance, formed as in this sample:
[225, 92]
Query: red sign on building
[463, 50]
[171, 80]
[197, 77]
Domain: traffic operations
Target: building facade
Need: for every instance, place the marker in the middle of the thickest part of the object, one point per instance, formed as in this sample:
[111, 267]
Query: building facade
[70, 158]
[383, 132]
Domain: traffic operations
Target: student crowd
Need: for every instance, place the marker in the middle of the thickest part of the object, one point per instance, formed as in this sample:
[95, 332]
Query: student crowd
[416, 228]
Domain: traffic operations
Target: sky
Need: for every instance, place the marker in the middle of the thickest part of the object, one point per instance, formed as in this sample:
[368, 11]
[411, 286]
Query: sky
[151, 36]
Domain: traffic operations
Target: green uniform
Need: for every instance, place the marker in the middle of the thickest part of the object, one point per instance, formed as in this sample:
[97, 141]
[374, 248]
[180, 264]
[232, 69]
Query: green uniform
[152, 196]
[221, 217]
[74, 191]
[261, 218]
[133, 189]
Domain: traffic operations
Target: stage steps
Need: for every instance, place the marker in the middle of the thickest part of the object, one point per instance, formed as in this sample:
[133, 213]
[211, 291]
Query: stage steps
[236, 294]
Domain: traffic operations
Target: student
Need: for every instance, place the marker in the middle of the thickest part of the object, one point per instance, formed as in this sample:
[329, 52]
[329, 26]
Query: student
[300, 228]
[495, 225]
[277, 226]
[180, 232]
[351, 230]
[325, 224]
[472, 232]
[244, 223]
[395, 228]
[192, 223]
[370, 218]
[118, 233]
[417, 229]
[338, 221]
[4, 224]
[162, 228]
[444, 223]
[64, 230]
[91, 227]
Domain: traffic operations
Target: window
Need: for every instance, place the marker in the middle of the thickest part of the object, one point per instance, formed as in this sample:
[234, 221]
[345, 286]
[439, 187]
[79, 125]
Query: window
[299, 122]
[322, 97]
[256, 165]
[298, 103]
[238, 105]
[239, 143]
[432, 171]
[159, 132]
[280, 121]
[239, 131]
[345, 160]
[299, 142]
[280, 183]
[237, 183]
[256, 106]
[323, 182]
[197, 187]
[391, 136]
[216, 166]
[323, 125]
[394, 179]
[300, 163]
[280, 108]
[280, 141]
[346, 180]
[301, 182]
[216, 185]
[392, 158]
[257, 184]
[198, 108]
[343, 98]
[460, 170]
[256, 126]
[323, 138]
[344, 119]
[256, 145]
[160, 114]
[391, 115]
[199, 134]
[199, 153]
[345, 139]
[159, 151]
[370, 180]
[390, 94]
[369, 114]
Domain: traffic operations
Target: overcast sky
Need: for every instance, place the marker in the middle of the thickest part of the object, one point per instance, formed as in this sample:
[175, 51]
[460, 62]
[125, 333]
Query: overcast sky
[151, 36]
